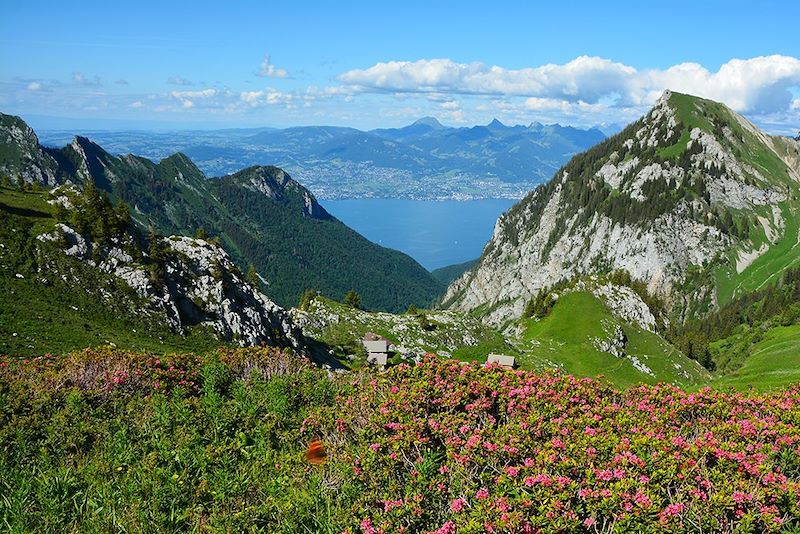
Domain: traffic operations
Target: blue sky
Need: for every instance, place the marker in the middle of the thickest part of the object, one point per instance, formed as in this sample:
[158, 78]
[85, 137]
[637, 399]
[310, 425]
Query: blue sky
[208, 64]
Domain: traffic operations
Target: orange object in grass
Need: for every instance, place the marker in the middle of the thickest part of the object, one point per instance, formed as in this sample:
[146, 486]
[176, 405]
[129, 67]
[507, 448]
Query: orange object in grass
[316, 453]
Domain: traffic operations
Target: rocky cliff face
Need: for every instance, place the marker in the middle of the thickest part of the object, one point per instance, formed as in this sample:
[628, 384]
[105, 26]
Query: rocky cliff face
[197, 284]
[689, 187]
[22, 156]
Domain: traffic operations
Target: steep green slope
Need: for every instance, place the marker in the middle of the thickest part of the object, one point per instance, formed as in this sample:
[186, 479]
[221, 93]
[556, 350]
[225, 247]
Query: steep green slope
[780, 255]
[261, 216]
[43, 314]
[568, 339]
[770, 363]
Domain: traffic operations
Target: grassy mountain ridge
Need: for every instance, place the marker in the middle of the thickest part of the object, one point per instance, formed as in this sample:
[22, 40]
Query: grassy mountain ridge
[567, 339]
[450, 272]
[289, 238]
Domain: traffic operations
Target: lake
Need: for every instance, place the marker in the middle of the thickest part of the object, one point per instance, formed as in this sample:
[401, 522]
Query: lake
[435, 233]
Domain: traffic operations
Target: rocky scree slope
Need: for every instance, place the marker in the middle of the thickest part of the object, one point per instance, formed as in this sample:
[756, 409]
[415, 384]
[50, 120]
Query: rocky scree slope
[412, 334]
[260, 214]
[692, 200]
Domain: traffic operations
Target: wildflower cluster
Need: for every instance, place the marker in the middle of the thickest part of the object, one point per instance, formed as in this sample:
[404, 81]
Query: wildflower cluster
[462, 448]
[104, 440]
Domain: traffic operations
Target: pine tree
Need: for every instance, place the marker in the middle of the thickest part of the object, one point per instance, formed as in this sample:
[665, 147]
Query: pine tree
[123, 214]
[252, 276]
[306, 299]
[424, 323]
[352, 299]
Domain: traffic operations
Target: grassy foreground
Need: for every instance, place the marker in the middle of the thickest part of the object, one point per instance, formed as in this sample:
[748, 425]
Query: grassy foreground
[105, 440]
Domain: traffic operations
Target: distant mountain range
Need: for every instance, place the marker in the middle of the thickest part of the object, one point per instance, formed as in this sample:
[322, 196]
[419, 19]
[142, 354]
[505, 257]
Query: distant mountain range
[260, 214]
[424, 160]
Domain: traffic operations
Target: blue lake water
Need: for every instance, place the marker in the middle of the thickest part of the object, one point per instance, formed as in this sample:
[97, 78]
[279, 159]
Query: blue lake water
[435, 233]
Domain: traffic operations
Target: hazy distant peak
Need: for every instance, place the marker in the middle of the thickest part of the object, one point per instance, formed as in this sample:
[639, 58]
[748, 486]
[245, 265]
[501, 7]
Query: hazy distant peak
[433, 122]
[495, 124]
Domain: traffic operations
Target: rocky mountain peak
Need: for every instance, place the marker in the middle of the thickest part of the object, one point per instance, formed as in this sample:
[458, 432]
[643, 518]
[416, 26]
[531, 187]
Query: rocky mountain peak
[276, 184]
[17, 130]
[688, 185]
[22, 157]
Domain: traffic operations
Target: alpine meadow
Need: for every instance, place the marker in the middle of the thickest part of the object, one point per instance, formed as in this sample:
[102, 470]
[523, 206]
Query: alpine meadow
[193, 338]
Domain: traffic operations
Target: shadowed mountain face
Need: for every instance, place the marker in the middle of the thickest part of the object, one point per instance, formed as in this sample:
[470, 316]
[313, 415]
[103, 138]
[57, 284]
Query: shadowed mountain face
[261, 215]
[692, 200]
[424, 160]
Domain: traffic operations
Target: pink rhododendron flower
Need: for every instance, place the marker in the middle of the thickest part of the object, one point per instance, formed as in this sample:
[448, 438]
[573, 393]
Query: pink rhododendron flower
[457, 505]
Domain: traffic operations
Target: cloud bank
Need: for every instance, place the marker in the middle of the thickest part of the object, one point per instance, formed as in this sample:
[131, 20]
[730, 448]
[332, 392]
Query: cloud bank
[586, 91]
[760, 84]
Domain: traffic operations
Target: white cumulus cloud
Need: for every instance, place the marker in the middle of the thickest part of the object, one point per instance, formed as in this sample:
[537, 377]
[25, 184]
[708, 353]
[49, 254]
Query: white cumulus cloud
[34, 86]
[187, 98]
[205, 93]
[268, 70]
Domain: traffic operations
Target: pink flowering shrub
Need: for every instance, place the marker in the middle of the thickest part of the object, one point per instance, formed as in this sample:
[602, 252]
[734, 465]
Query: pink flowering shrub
[219, 441]
[107, 370]
[443, 447]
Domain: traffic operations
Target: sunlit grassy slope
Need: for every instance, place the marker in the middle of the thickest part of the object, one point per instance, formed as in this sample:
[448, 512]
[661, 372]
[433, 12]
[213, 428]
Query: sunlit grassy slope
[563, 339]
[772, 362]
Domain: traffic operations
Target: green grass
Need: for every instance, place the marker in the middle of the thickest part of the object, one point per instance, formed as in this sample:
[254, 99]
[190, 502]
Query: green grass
[36, 319]
[673, 151]
[563, 340]
[772, 362]
[768, 267]
[227, 458]
[686, 110]
[30, 205]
